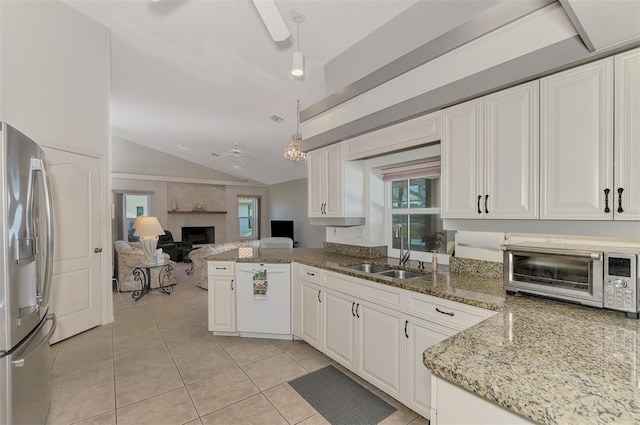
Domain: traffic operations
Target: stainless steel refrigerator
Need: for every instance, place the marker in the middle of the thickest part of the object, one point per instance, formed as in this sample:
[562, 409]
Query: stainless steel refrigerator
[26, 255]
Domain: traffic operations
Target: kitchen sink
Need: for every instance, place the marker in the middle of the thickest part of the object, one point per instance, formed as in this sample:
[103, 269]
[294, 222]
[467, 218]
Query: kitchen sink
[400, 274]
[368, 268]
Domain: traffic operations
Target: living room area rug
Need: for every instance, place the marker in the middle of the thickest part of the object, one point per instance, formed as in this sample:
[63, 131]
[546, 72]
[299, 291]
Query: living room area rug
[340, 399]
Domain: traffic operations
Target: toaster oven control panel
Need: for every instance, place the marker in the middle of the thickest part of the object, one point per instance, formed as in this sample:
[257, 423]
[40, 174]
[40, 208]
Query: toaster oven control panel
[619, 295]
[620, 283]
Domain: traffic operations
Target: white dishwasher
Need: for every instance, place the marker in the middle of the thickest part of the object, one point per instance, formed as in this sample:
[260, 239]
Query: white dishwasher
[264, 300]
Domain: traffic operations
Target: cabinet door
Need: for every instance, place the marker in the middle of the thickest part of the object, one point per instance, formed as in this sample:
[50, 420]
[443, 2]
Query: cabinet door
[339, 338]
[576, 143]
[312, 314]
[420, 335]
[379, 332]
[462, 160]
[627, 137]
[334, 181]
[315, 182]
[511, 153]
[222, 302]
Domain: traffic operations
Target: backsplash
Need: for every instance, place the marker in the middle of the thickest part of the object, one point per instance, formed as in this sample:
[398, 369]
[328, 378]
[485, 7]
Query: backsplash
[480, 268]
[355, 250]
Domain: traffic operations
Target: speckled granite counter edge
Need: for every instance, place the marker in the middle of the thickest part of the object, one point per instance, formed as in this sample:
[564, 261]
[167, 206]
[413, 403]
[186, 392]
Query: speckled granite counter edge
[468, 266]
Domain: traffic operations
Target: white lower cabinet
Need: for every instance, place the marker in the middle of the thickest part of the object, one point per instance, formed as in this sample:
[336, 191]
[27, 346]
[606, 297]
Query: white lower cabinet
[418, 336]
[365, 338]
[455, 406]
[379, 347]
[306, 308]
[311, 314]
[339, 329]
[222, 297]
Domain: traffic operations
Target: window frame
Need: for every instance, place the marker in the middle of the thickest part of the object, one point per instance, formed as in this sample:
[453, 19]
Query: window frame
[389, 211]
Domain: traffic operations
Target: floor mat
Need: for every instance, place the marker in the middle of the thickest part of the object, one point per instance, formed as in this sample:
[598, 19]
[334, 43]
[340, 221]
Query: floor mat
[341, 400]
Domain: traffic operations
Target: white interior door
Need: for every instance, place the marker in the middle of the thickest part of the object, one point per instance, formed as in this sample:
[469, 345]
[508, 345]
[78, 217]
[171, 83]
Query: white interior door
[76, 293]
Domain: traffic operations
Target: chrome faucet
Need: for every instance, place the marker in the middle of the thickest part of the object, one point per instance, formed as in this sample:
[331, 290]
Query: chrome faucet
[404, 256]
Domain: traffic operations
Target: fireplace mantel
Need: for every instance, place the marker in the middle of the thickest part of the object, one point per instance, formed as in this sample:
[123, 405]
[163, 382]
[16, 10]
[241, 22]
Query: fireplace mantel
[196, 212]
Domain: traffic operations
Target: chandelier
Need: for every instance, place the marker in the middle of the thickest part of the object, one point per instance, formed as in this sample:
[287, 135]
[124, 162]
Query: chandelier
[292, 151]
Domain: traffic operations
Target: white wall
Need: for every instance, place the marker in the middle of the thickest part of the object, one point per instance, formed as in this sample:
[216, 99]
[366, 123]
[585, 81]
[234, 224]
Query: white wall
[54, 75]
[288, 201]
[54, 87]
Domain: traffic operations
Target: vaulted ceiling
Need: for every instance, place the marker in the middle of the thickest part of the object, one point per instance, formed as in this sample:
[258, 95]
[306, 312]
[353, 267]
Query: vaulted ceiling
[193, 77]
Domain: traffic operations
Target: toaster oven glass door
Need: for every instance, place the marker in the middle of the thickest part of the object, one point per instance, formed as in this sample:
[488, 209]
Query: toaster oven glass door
[556, 273]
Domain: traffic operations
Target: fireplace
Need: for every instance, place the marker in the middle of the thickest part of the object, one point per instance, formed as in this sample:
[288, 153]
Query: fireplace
[199, 235]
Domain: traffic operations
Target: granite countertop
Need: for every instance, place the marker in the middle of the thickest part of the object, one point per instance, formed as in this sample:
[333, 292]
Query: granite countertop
[549, 361]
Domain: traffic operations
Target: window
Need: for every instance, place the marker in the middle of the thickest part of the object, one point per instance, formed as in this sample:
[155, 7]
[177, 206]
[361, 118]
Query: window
[249, 217]
[134, 207]
[413, 201]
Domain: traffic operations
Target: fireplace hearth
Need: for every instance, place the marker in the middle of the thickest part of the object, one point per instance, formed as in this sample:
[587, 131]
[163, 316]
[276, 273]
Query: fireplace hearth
[199, 235]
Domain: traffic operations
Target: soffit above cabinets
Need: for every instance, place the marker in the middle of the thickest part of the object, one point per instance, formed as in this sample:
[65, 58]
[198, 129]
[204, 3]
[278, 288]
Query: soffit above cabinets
[604, 24]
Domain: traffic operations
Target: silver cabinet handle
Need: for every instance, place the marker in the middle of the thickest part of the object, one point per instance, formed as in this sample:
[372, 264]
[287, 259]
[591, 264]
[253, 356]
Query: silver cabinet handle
[448, 313]
[97, 250]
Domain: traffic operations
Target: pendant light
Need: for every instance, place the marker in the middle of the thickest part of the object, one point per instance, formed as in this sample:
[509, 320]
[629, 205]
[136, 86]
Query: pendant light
[292, 151]
[297, 60]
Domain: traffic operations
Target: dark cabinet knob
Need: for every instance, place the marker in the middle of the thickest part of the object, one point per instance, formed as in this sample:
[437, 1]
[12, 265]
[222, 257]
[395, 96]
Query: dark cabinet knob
[606, 201]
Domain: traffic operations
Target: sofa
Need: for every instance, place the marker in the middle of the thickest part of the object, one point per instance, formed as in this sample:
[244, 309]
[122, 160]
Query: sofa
[197, 257]
[126, 257]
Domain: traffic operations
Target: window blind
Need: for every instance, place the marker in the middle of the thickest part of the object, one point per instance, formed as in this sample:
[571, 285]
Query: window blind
[429, 167]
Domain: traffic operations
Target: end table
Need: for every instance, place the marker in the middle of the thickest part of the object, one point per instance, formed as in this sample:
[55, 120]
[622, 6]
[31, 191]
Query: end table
[142, 274]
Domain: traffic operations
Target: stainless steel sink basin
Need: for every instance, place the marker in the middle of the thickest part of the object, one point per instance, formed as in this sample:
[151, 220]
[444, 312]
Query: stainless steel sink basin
[368, 268]
[400, 274]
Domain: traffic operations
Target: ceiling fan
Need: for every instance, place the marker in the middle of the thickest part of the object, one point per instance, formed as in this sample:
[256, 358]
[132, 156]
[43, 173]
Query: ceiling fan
[272, 19]
[239, 158]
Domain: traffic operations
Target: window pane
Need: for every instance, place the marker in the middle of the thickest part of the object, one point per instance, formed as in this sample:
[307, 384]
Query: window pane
[245, 228]
[423, 193]
[399, 194]
[427, 234]
[403, 220]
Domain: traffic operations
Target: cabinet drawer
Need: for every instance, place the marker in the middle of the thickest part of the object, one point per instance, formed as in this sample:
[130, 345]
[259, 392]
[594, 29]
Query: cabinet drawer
[378, 293]
[448, 313]
[221, 268]
[309, 274]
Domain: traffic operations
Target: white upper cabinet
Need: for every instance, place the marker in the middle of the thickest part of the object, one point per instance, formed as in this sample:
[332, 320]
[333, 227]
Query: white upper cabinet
[576, 143]
[626, 204]
[511, 153]
[336, 186]
[462, 160]
[490, 156]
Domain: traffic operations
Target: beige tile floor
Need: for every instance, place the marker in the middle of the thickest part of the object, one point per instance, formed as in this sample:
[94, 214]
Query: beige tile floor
[158, 364]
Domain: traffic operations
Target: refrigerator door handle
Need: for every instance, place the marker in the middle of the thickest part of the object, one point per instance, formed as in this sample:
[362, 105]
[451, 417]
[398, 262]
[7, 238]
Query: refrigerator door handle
[38, 166]
[21, 361]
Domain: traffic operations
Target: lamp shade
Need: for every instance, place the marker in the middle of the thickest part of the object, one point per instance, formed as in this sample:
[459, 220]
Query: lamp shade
[148, 226]
[137, 222]
[297, 64]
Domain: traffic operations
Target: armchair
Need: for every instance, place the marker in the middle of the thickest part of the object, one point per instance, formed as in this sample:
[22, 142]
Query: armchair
[176, 249]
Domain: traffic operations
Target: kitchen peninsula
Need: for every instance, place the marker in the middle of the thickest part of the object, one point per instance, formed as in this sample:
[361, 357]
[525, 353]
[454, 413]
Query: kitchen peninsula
[543, 361]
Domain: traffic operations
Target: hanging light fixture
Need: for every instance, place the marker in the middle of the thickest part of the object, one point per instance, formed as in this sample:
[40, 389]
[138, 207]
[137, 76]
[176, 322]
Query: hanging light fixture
[297, 60]
[292, 151]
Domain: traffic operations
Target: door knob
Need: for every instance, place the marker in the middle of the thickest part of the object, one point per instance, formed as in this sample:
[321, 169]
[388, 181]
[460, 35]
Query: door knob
[97, 250]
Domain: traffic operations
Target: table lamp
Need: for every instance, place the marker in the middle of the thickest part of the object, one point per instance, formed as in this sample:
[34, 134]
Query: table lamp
[148, 229]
